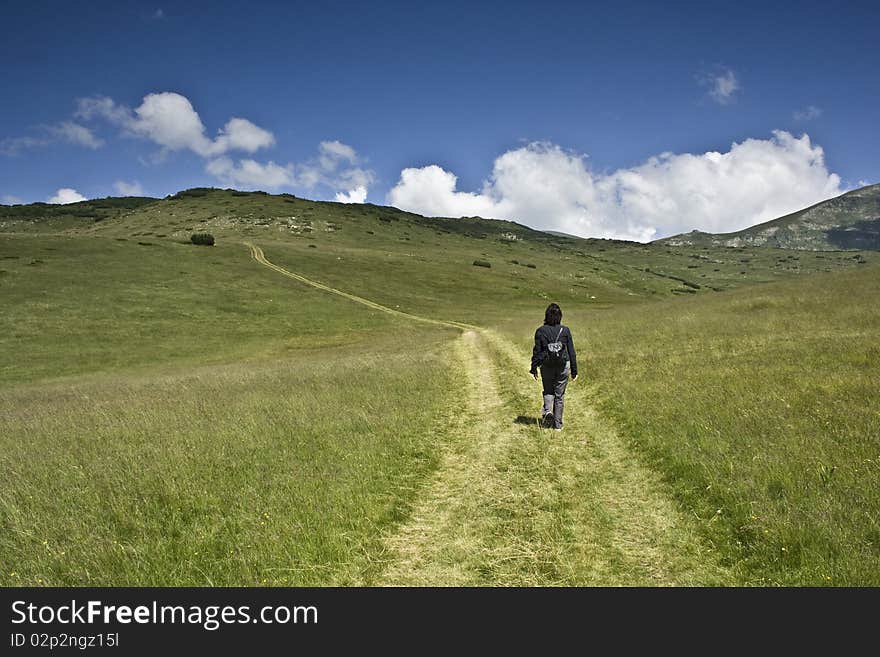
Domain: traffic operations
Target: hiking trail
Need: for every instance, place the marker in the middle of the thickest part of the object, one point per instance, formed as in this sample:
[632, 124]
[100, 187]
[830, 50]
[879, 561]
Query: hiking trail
[512, 504]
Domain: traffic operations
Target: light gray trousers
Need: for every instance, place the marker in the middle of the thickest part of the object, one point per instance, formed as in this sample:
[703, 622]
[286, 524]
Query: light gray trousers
[555, 381]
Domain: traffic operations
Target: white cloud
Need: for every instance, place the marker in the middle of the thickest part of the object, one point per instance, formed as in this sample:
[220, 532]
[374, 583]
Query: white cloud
[133, 188]
[808, 114]
[356, 195]
[431, 190]
[251, 174]
[102, 107]
[66, 195]
[723, 86]
[9, 199]
[242, 135]
[66, 131]
[169, 120]
[75, 133]
[331, 153]
[548, 188]
[336, 166]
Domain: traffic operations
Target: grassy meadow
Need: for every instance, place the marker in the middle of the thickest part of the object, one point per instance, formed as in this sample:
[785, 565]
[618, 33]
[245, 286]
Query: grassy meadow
[74, 305]
[760, 407]
[172, 414]
[175, 414]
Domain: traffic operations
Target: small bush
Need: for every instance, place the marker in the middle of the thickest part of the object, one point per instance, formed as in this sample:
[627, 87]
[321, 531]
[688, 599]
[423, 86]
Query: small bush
[531, 266]
[195, 192]
[205, 239]
[482, 263]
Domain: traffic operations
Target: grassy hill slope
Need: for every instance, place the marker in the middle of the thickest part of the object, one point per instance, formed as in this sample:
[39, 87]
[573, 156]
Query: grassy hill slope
[758, 406]
[177, 414]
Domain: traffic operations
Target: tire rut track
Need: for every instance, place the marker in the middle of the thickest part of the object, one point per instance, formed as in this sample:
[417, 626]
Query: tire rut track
[511, 504]
[258, 255]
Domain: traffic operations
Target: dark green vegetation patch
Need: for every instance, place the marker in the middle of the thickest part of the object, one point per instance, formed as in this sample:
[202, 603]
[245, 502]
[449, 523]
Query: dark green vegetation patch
[204, 239]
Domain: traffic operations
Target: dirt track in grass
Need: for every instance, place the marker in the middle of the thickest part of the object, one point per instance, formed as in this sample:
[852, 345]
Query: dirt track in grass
[511, 504]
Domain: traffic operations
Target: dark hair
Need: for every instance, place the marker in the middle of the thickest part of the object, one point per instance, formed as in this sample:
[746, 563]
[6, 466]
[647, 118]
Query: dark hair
[553, 314]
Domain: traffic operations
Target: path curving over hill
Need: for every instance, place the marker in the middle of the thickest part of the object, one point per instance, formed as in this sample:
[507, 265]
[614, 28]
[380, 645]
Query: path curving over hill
[258, 255]
[512, 504]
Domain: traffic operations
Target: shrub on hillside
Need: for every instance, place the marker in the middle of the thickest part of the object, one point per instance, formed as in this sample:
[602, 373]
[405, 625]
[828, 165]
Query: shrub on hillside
[205, 239]
[482, 263]
[195, 192]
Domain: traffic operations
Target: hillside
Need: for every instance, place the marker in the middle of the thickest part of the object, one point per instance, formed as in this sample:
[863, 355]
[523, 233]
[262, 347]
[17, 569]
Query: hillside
[331, 240]
[336, 394]
[849, 221]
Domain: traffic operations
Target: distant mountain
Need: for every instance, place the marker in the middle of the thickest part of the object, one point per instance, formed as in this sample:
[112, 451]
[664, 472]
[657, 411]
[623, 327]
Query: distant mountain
[850, 221]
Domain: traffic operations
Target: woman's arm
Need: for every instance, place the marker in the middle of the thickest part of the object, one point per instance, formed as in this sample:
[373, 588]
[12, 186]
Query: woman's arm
[537, 353]
[572, 356]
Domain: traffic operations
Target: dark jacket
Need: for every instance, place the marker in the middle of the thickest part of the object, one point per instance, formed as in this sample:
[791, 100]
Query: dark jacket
[544, 336]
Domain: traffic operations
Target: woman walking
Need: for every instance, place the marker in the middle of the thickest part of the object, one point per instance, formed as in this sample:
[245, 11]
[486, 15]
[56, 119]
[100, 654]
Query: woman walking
[554, 354]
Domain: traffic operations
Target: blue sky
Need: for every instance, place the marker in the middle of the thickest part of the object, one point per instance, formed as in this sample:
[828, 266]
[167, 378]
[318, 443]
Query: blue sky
[549, 113]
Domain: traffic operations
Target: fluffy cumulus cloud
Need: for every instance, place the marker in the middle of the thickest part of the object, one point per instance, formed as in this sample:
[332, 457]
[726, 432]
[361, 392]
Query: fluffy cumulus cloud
[133, 188]
[546, 187]
[170, 121]
[431, 190]
[66, 195]
[242, 135]
[336, 167]
[356, 195]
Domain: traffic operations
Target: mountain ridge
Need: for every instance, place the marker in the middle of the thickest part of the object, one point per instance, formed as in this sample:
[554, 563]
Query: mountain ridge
[847, 222]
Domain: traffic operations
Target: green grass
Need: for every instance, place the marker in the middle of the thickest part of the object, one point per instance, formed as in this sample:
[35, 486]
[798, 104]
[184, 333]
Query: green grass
[760, 408]
[74, 305]
[282, 473]
[178, 414]
[515, 505]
